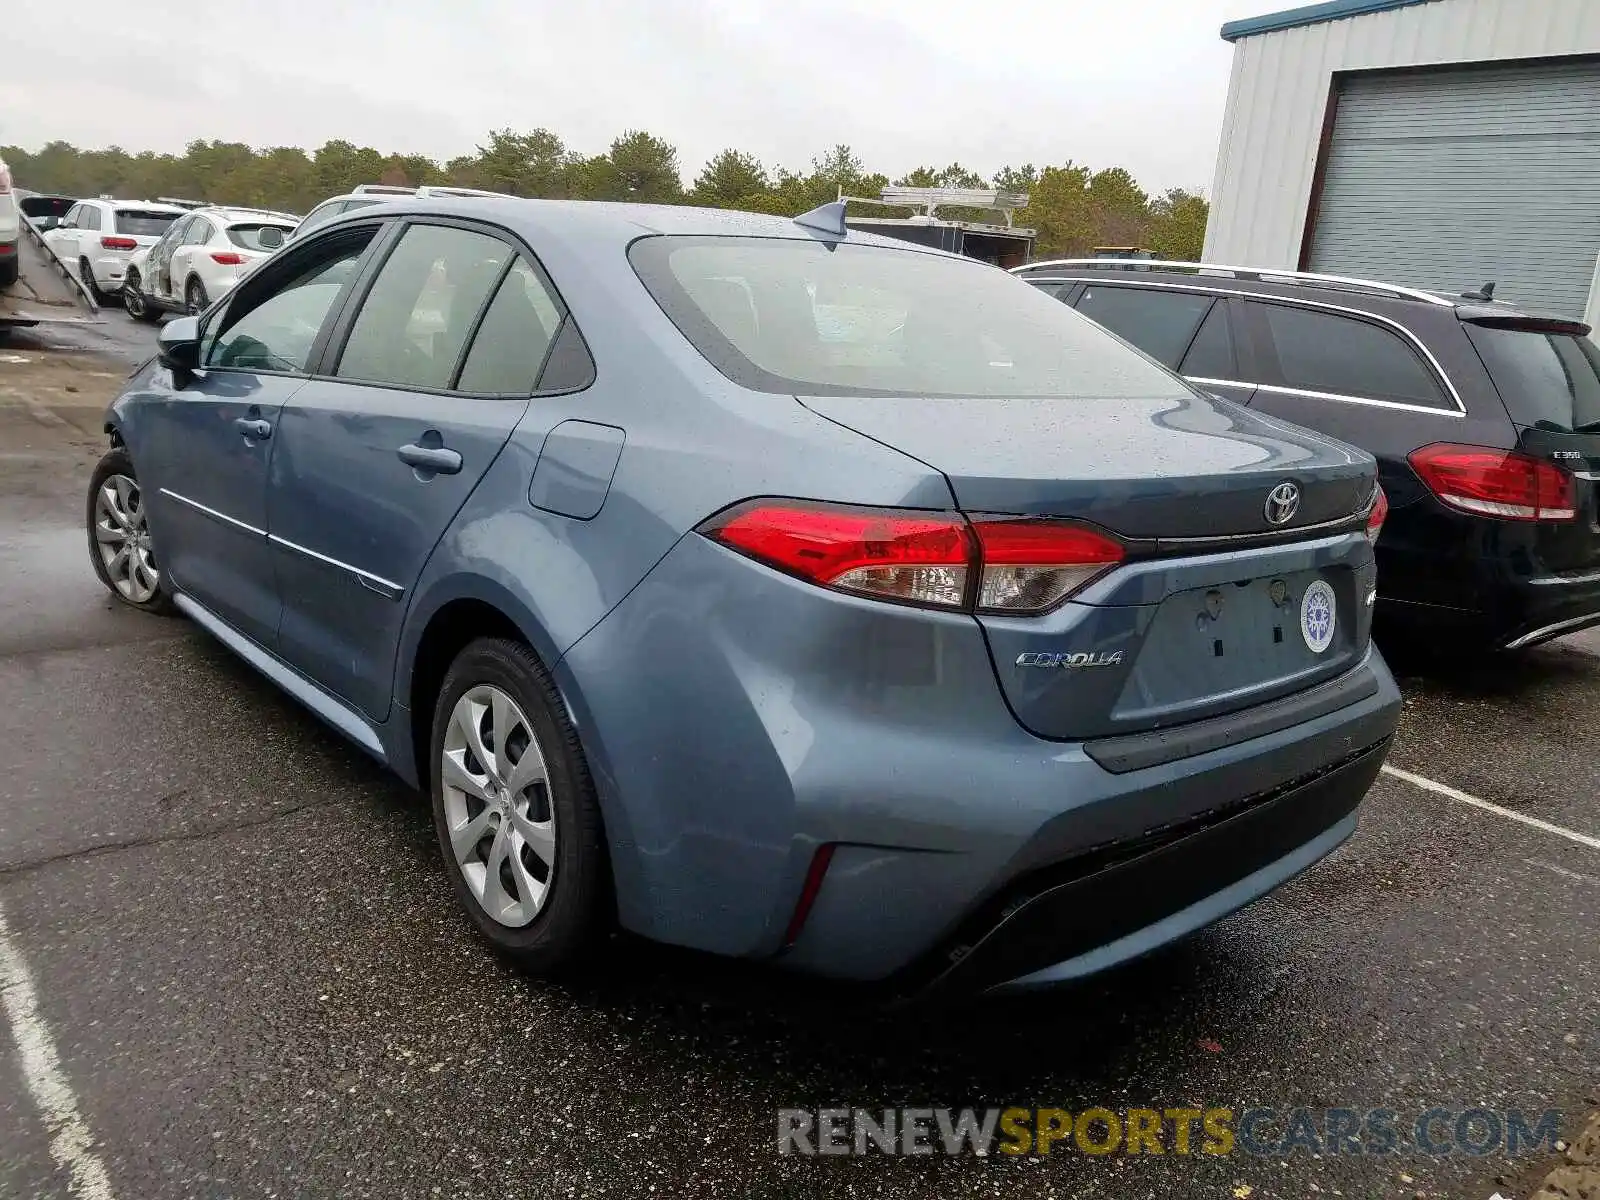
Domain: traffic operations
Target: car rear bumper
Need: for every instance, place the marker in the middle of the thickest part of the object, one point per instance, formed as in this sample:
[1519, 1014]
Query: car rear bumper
[1106, 907]
[1508, 616]
[880, 732]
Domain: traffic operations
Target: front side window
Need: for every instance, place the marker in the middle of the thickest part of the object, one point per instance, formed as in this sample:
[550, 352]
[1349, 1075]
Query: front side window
[317, 216]
[273, 321]
[790, 315]
[422, 307]
[199, 233]
[70, 221]
[142, 222]
[1162, 324]
[514, 336]
[1345, 356]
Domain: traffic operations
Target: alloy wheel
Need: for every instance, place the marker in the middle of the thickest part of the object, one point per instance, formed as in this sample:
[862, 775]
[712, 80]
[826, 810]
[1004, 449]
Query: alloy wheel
[496, 792]
[133, 299]
[123, 539]
[196, 298]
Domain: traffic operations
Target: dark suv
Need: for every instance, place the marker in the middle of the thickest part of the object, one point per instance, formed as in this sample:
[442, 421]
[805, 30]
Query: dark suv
[1484, 418]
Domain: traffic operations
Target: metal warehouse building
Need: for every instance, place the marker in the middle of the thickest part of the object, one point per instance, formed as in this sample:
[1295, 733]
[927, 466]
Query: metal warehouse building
[1441, 143]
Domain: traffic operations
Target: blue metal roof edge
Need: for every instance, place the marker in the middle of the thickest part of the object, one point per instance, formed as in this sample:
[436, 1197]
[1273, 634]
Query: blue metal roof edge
[1311, 14]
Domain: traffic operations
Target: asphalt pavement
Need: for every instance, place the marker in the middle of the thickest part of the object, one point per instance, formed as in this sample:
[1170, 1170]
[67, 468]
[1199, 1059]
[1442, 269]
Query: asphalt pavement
[238, 945]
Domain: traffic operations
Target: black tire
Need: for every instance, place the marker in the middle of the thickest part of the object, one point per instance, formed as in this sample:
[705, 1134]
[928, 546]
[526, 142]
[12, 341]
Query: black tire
[133, 299]
[576, 908]
[86, 274]
[194, 296]
[117, 463]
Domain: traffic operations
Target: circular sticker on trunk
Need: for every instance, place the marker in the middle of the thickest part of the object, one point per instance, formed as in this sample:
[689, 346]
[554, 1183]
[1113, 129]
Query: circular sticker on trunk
[1318, 616]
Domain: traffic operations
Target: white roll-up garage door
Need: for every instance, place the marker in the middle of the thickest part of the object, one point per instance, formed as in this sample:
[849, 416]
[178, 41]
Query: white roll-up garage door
[1450, 179]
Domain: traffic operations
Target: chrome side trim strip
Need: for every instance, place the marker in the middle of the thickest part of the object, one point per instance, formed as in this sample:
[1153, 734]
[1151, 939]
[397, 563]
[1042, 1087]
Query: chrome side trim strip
[1546, 632]
[1293, 533]
[376, 583]
[1339, 397]
[1560, 580]
[213, 513]
[335, 712]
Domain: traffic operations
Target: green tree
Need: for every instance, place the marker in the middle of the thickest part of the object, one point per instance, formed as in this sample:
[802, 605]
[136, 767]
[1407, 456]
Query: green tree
[728, 178]
[1178, 225]
[536, 163]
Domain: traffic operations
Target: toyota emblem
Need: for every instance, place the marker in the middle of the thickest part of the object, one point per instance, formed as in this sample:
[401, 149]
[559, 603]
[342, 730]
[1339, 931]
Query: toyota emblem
[1283, 502]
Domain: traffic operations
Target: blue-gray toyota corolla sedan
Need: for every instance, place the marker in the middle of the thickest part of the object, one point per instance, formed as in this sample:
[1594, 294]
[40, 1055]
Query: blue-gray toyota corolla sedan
[765, 587]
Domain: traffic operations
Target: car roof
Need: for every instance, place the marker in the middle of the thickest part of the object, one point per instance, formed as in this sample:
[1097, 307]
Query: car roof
[1301, 285]
[619, 223]
[235, 215]
[147, 205]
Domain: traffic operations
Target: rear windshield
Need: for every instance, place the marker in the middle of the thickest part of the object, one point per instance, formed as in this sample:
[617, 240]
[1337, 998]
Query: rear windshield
[140, 222]
[1548, 380]
[783, 315]
[263, 237]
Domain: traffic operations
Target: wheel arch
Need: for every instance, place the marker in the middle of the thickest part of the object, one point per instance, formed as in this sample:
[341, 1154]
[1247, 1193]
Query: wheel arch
[453, 613]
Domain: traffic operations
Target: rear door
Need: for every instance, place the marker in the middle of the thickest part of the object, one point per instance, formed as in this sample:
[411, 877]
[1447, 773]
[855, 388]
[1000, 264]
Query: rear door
[420, 390]
[1190, 332]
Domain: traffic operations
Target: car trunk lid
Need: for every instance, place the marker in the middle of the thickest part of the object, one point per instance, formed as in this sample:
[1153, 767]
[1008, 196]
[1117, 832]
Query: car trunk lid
[1216, 608]
[1547, 372]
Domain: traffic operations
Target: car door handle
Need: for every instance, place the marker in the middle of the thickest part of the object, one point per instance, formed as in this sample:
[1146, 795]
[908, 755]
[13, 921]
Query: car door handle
[438, 459]
[256, 430]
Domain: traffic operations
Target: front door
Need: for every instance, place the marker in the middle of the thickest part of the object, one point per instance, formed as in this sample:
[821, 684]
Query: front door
[374, 463]
[210, 438]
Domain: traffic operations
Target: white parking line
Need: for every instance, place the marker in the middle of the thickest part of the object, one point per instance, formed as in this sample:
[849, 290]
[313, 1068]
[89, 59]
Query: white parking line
[71, 1144]
[1575, 876]
[1428, 785]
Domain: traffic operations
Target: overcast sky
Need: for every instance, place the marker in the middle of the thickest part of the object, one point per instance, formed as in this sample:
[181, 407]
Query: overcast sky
[1136, 83]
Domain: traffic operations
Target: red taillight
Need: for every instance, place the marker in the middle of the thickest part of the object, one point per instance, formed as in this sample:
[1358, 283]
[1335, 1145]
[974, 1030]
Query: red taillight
[1496, 483]
[996, 564]
[808, 892]
[1377, 515]
[119, 243]
[1032, 565]
[227, 258]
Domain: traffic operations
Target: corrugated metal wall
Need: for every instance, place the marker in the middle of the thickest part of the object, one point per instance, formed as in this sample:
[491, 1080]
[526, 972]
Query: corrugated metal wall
[1448, 179]
[1278, 96]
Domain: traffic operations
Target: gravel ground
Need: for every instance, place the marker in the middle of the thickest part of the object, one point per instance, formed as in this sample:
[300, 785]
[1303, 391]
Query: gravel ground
[244, 953]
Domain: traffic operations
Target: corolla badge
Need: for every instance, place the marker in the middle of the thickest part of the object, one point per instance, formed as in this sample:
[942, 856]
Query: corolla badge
[1075, 661]
[1283, 502]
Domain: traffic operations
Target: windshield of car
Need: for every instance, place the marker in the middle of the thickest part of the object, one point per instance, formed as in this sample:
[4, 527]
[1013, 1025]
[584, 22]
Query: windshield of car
[141, 222]
[1547, 380]
[790, 315]
[264, 237]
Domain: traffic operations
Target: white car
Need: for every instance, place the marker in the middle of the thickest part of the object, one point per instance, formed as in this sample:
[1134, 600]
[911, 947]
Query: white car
[10, 228]
[200, 258]
[98, 237]
[373, 193]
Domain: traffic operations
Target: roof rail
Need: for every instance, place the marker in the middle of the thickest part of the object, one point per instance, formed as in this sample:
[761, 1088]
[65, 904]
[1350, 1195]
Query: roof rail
[427, 189]
[179, 202]
[1259, 274]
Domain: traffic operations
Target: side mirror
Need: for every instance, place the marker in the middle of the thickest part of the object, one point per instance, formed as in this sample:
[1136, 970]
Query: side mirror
[178, 344]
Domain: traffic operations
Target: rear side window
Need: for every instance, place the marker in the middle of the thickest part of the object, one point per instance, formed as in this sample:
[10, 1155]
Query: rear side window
[423, 306]
[138, 222]
[89, 218]
[1162, 324]
[1550, 381]
[1344, 356]
[317, 216]
[513, 338]
[1211, 353]
[804, 316]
